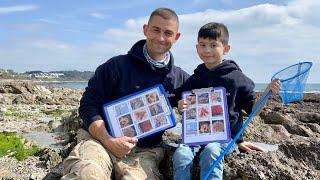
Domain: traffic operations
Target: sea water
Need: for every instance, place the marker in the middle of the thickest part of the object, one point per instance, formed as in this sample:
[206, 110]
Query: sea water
[259, 87]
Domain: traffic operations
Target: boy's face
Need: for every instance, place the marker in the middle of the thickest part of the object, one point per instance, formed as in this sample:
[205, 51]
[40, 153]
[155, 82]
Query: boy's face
[211, 51]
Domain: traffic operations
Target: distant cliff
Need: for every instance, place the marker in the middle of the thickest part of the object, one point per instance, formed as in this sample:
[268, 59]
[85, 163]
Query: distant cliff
[48, 76]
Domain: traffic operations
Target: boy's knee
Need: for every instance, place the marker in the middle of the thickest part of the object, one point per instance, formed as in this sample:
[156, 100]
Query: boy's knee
[212, 149]
[183, 154]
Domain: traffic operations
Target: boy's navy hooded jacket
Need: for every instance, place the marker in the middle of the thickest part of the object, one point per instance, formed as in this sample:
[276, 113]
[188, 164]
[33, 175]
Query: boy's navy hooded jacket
[123, 75]
[239, 89]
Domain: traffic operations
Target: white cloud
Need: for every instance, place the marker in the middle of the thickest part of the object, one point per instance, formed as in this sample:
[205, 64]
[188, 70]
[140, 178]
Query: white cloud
[50, 45]
[21, 8]
[264, 39]
[49, 21]
[98, 15]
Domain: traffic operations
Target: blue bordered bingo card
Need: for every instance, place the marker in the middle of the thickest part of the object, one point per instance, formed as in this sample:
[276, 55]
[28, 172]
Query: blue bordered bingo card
[139, 114]
[206, 119]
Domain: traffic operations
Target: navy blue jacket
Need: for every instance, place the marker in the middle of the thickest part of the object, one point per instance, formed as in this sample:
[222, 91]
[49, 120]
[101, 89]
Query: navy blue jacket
[123, 75]
[239, 89]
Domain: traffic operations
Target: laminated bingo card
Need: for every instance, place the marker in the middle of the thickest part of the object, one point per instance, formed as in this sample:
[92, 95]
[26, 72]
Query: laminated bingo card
[206, 119]
[140, 114]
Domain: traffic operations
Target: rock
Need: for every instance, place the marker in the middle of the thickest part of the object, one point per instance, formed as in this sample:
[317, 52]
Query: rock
[293, 128]
[272, 118]
[300, 130]
[314, 127]
[50, 157]
[308, 117]
[3, 110]
[280, 133]
[6, 173]
[55, 125]
[35, 176]
[72, 124]
[27, 92]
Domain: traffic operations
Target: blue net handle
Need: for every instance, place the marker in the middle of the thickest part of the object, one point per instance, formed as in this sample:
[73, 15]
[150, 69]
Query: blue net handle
[287, 96]
[234, 140]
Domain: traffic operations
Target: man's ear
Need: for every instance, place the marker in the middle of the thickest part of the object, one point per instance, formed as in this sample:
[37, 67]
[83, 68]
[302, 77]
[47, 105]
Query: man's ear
[145, 29]
[226, 49]
[177, 36]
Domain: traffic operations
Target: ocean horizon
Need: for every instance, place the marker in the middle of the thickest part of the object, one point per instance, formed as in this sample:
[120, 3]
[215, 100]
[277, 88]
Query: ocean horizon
[259, 87]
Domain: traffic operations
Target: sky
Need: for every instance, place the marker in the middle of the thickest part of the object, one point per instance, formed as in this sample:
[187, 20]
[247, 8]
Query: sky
[265, 36]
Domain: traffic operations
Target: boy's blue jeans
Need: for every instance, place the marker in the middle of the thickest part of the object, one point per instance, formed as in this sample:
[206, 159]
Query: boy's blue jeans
[183, 161]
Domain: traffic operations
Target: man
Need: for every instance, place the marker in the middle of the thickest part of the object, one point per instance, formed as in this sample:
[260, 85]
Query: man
[149, 62]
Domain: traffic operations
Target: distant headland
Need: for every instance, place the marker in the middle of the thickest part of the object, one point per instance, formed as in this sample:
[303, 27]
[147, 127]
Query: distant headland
[73, 75]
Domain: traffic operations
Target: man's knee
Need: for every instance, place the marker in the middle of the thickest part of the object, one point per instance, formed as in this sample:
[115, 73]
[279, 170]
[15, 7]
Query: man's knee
[87, 169]
[87, 154]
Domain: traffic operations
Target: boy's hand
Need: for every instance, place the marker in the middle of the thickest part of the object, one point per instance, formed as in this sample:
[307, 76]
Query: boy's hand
[274, 86]
[183, 105]
[249, 146]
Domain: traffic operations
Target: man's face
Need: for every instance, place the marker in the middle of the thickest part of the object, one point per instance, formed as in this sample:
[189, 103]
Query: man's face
[160, 34]
[211, 51]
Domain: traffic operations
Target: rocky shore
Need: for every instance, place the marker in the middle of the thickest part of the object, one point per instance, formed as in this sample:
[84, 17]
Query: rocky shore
[48, 118]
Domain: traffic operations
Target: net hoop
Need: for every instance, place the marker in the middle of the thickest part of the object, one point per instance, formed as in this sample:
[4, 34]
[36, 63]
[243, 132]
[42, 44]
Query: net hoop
[309, 65]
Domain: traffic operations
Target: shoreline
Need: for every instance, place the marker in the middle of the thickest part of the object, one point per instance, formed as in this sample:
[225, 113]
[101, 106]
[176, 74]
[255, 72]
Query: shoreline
[42, 81]
[59, 81]
[48, 82]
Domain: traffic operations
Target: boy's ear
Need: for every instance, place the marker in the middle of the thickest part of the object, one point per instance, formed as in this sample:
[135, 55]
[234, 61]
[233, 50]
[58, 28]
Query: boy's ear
[197, 46]
[226, 49]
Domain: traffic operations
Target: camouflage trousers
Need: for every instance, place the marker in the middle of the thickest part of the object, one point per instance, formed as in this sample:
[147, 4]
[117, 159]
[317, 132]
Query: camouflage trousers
[90, 160]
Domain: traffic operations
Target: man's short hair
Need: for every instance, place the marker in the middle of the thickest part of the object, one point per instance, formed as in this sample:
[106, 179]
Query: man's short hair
[216, 31]
[165, 13]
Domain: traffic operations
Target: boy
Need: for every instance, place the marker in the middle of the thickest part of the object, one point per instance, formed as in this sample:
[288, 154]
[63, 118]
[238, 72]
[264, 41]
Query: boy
[214, 72]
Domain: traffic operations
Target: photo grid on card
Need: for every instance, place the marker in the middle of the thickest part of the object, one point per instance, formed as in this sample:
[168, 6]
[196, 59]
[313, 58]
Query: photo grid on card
[217, 112]
[203, 115]
[191, 128]
[141, 114]
[160, 120]
[206, 113]
[218, 126]
[190, 116]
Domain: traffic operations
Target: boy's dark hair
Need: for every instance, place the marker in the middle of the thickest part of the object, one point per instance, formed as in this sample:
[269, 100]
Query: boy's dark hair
[216, 31]
[165, 13]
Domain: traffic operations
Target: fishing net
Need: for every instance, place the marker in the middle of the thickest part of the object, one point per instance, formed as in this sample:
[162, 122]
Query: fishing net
[293, 80]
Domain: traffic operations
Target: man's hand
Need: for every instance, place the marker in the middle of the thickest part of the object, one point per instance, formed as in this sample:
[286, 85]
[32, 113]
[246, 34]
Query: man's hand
[121, 146]
[249, 146]
[183, 105]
